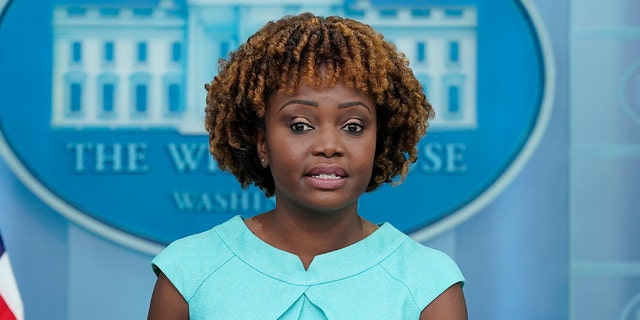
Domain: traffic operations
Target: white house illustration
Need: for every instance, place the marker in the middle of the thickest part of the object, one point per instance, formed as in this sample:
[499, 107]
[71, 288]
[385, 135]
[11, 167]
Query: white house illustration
[142, 68]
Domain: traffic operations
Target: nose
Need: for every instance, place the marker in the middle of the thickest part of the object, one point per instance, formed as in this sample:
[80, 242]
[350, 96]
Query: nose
[328, 143]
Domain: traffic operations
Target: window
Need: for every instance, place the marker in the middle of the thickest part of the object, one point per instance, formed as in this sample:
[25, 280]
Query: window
[174, 98]
[454, 100]
[142, 52]
[108, 97]
[141, 98]
[109, 12]
[355, 13]
[76, 52]
[421, 52]
[173, 95]
[176, 51]
[454, 52]
[107, 93]
[75, 97]
[388, 13]
[454, 13]
[420, 13]
[453, 90]
[143, 12]
[139, 93]
[108, 51]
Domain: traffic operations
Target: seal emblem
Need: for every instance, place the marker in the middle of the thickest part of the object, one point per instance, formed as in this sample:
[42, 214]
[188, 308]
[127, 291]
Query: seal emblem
[103, 108]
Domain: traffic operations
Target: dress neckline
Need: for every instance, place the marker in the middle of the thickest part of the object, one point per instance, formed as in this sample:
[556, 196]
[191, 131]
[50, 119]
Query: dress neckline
[330, 266]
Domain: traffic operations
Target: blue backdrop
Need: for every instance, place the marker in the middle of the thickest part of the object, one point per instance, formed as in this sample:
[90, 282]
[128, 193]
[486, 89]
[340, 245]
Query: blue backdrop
[560, 233]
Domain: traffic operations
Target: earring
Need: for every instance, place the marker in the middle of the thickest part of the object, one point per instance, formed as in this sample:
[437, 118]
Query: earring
[261, 160]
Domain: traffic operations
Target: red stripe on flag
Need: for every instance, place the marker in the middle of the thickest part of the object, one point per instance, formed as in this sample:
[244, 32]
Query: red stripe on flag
[5, 312]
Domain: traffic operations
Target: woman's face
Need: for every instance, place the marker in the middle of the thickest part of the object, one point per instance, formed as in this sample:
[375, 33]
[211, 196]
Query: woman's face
[319, 144]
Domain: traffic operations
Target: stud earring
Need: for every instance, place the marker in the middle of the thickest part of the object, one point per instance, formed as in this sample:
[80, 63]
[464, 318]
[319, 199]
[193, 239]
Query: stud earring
[261, 160]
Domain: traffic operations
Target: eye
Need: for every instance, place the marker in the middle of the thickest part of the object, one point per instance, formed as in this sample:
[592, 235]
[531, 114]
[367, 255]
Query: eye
[300, 127]
[353, 127]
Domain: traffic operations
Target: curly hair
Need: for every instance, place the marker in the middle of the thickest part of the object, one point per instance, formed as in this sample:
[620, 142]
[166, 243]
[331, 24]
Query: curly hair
[292, 50]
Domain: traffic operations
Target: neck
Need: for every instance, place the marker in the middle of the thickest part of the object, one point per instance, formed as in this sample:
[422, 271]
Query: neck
[310, 235]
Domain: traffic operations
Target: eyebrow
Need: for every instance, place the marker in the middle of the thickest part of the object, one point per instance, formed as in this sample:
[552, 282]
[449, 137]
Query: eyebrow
[353, 104]
[297, 101]
[315, 104]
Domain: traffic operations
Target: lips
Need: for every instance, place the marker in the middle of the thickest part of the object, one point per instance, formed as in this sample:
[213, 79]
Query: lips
[327, 177]
[328, 170]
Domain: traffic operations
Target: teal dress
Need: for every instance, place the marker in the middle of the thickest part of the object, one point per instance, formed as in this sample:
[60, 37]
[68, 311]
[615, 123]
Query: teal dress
[229, 273]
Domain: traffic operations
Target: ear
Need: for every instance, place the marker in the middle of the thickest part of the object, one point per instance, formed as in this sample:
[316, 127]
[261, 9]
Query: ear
[262, 149]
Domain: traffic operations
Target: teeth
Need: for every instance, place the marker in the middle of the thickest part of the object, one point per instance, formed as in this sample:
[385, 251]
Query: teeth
[326, 176]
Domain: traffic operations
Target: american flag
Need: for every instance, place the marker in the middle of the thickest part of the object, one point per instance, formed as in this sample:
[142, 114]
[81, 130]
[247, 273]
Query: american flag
[10, 301]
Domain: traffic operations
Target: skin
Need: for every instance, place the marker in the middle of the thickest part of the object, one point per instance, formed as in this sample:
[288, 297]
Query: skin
[311, 128]
[449, 305]
[329, 130]
[166, 302]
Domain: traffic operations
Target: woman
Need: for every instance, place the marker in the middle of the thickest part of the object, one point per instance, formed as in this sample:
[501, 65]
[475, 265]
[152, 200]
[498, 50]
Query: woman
[314, 111]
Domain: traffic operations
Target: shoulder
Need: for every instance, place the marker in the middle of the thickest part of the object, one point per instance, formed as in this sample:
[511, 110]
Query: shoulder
[426, 272]
[188, 261]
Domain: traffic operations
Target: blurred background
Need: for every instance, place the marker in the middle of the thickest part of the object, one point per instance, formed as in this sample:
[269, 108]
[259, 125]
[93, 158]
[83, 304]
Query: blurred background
[551, 232]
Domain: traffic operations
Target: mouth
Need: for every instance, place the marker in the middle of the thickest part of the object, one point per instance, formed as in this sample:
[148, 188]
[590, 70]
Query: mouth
[327, 177]
[327, 171]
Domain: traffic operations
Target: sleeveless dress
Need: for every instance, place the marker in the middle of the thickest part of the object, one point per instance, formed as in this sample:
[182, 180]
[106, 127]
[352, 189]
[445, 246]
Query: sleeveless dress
[229, 273]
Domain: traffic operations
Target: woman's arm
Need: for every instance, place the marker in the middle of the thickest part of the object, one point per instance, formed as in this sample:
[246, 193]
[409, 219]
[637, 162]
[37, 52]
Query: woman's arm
[167, 302]
[449, 305]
